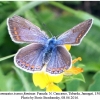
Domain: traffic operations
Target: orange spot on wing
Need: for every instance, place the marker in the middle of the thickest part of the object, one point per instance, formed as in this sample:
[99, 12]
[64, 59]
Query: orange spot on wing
[17, 37]
[23, 63]
[15, 32]
[58, 69]
[27, 65]
[53, 70]
[80, 35]
[15, 29]
[77, 40]
[32, 66]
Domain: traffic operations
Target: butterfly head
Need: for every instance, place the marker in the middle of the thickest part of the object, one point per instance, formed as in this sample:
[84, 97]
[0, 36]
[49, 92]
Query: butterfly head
[52, 42]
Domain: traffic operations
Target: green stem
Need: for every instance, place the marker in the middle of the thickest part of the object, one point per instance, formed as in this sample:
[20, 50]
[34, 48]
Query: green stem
[7, 57]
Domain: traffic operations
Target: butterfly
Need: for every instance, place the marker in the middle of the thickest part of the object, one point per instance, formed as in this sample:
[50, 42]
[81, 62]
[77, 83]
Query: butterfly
[43, 50]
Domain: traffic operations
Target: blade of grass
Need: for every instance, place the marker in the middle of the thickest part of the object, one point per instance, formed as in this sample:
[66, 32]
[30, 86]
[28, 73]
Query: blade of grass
[7, 57]
[80, 14]
[24, 81]
[3, 81]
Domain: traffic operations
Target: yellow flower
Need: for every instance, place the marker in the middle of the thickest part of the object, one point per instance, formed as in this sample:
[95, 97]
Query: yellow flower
[45, 80]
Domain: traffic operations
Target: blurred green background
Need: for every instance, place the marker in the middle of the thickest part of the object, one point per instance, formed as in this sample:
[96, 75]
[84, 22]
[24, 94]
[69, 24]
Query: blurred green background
[58, 17]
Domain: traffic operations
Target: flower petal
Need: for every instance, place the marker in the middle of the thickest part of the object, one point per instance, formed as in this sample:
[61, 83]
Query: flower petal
[53, 88]
[77, 59]
[73, 70]
[56, 78]
[67, 46]
[40, 79]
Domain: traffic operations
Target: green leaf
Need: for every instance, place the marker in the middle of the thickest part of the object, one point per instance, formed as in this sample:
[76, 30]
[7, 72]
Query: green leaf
[61, 85]
[73, 85]
[79, 77]
[72, 82]
[95, 86]
[92, 66]
[6, 81]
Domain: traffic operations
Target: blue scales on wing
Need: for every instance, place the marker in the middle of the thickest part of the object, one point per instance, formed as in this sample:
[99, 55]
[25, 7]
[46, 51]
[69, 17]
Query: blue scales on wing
[59, 61]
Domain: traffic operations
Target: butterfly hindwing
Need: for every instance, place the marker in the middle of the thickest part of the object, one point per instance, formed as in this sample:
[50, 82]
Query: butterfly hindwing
[29, 58]
[21, 30]
[75, 34]
[60, 60]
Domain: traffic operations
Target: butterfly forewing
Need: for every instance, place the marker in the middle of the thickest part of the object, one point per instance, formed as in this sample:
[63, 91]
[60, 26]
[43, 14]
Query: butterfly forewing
[76, 34]
[29, 58]
[60, 60]
[21, 30]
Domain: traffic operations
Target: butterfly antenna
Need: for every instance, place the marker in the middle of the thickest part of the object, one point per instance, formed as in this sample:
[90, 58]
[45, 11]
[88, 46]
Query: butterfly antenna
[47, 29]
[57, 35]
